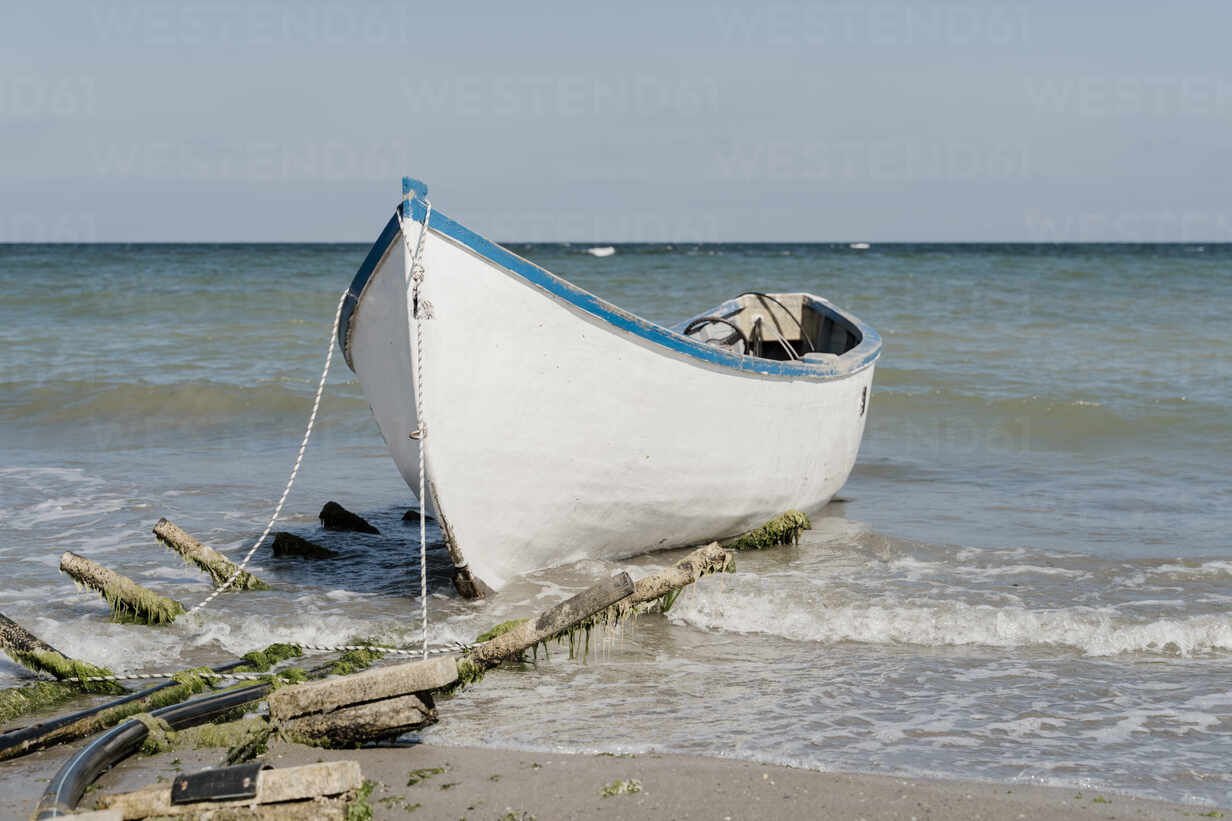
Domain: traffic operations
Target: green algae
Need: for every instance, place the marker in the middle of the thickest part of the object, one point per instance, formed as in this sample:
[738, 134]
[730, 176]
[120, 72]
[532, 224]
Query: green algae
[260, 661]
[17, 701]
[499, 630]
[359, 808]
[244, 738]
[69, 670]
[621, 787]
[137, 606]
[423, 774]
[352, 661]
[785, 529]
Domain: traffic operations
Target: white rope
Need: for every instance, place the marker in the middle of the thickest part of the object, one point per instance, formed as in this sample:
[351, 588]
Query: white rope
[449, 649]
[791, 352]
[415, 278]
[299, 459]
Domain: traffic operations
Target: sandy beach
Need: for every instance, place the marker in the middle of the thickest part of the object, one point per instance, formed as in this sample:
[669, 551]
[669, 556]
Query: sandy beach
[508, 785]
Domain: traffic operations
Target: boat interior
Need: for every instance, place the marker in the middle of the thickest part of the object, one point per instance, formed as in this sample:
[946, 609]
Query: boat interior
[776, 326]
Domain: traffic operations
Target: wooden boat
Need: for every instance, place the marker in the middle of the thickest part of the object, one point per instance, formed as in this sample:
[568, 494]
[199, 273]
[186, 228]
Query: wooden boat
[561, 427]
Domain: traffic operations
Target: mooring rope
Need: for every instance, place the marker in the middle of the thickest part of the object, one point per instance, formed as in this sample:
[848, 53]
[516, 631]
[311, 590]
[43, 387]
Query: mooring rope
[299, 459]
[452, 648]
[417, 312]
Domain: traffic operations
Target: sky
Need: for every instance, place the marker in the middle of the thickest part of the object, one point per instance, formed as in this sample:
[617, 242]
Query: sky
[880, 121]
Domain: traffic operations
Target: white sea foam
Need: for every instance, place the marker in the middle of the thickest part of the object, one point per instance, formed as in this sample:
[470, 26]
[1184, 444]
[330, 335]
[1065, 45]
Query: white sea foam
[1092, 631]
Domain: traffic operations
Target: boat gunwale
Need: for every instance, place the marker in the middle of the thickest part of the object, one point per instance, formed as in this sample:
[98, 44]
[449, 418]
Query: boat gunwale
[862, 356]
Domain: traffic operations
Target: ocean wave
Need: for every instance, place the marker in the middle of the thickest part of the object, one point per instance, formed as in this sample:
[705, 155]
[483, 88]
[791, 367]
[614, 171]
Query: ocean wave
[1093, 632]
[178, 403]
[1022, 422]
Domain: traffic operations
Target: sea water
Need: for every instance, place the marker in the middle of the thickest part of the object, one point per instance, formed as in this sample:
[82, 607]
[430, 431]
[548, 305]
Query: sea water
[1029, 577]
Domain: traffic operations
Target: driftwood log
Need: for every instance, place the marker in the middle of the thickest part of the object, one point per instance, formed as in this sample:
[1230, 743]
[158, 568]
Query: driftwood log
[563, 617]
[16, 639]
[30, 651]
[129, 601]
[209, 560]
[666, 584]
[334, 516]
[288, 544]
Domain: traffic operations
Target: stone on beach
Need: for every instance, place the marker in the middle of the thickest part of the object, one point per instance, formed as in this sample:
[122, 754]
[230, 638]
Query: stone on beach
[288, 544]
[334, 516]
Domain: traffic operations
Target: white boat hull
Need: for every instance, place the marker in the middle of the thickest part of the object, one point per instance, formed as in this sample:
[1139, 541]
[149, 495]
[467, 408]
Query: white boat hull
[554, 435]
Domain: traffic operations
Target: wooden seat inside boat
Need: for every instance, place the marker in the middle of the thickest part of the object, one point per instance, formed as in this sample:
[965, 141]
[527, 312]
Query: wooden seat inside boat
[777, 326]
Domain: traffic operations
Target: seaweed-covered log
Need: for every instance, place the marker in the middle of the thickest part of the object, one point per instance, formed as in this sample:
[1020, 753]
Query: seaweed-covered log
[665, 585]
[209, 560]
[129, 601]
[288, 544]
[567, 615]
[182, 685]
[336, 517]
[30, 651]
[16, 639]
[656, 591]
[360, 723]
[783, 529]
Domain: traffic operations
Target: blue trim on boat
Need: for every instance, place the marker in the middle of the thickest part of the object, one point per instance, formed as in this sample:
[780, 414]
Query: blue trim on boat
[864, 354]
[375, 255]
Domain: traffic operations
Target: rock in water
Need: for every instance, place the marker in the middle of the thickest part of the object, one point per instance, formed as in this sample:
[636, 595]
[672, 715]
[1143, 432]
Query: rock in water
[336, 517]
[412, 515]
[288, 544]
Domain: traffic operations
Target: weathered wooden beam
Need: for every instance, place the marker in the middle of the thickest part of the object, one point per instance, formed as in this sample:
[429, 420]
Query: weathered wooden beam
[372, 685]
[209, 560]
[703, 561]
[129, 601]
[334, 516]
[360, 723]
[276, 788]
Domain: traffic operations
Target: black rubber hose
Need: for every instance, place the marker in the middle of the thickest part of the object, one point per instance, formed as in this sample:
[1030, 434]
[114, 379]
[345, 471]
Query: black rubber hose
[69, 784]
[30, 735]
[707, 320]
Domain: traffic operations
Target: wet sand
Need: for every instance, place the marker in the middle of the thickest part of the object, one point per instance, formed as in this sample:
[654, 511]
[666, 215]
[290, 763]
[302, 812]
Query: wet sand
[484, 783]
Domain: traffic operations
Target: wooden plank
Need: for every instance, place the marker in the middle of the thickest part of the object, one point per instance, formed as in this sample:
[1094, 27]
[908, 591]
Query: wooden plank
[360, 723]
[275, 787]
[371, 685]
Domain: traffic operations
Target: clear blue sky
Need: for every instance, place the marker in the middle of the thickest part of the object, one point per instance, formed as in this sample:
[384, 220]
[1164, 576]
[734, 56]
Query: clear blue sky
[910, 121]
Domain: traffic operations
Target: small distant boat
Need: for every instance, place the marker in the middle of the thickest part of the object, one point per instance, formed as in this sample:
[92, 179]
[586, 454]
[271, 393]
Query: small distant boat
[561, 427]
[601, 251]
[859, 246]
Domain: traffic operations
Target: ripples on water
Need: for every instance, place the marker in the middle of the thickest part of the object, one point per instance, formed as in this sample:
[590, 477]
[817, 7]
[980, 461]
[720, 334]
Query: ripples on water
[1031, 581]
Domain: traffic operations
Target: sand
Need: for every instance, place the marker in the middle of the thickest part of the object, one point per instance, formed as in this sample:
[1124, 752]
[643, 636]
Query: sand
[490, 784]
